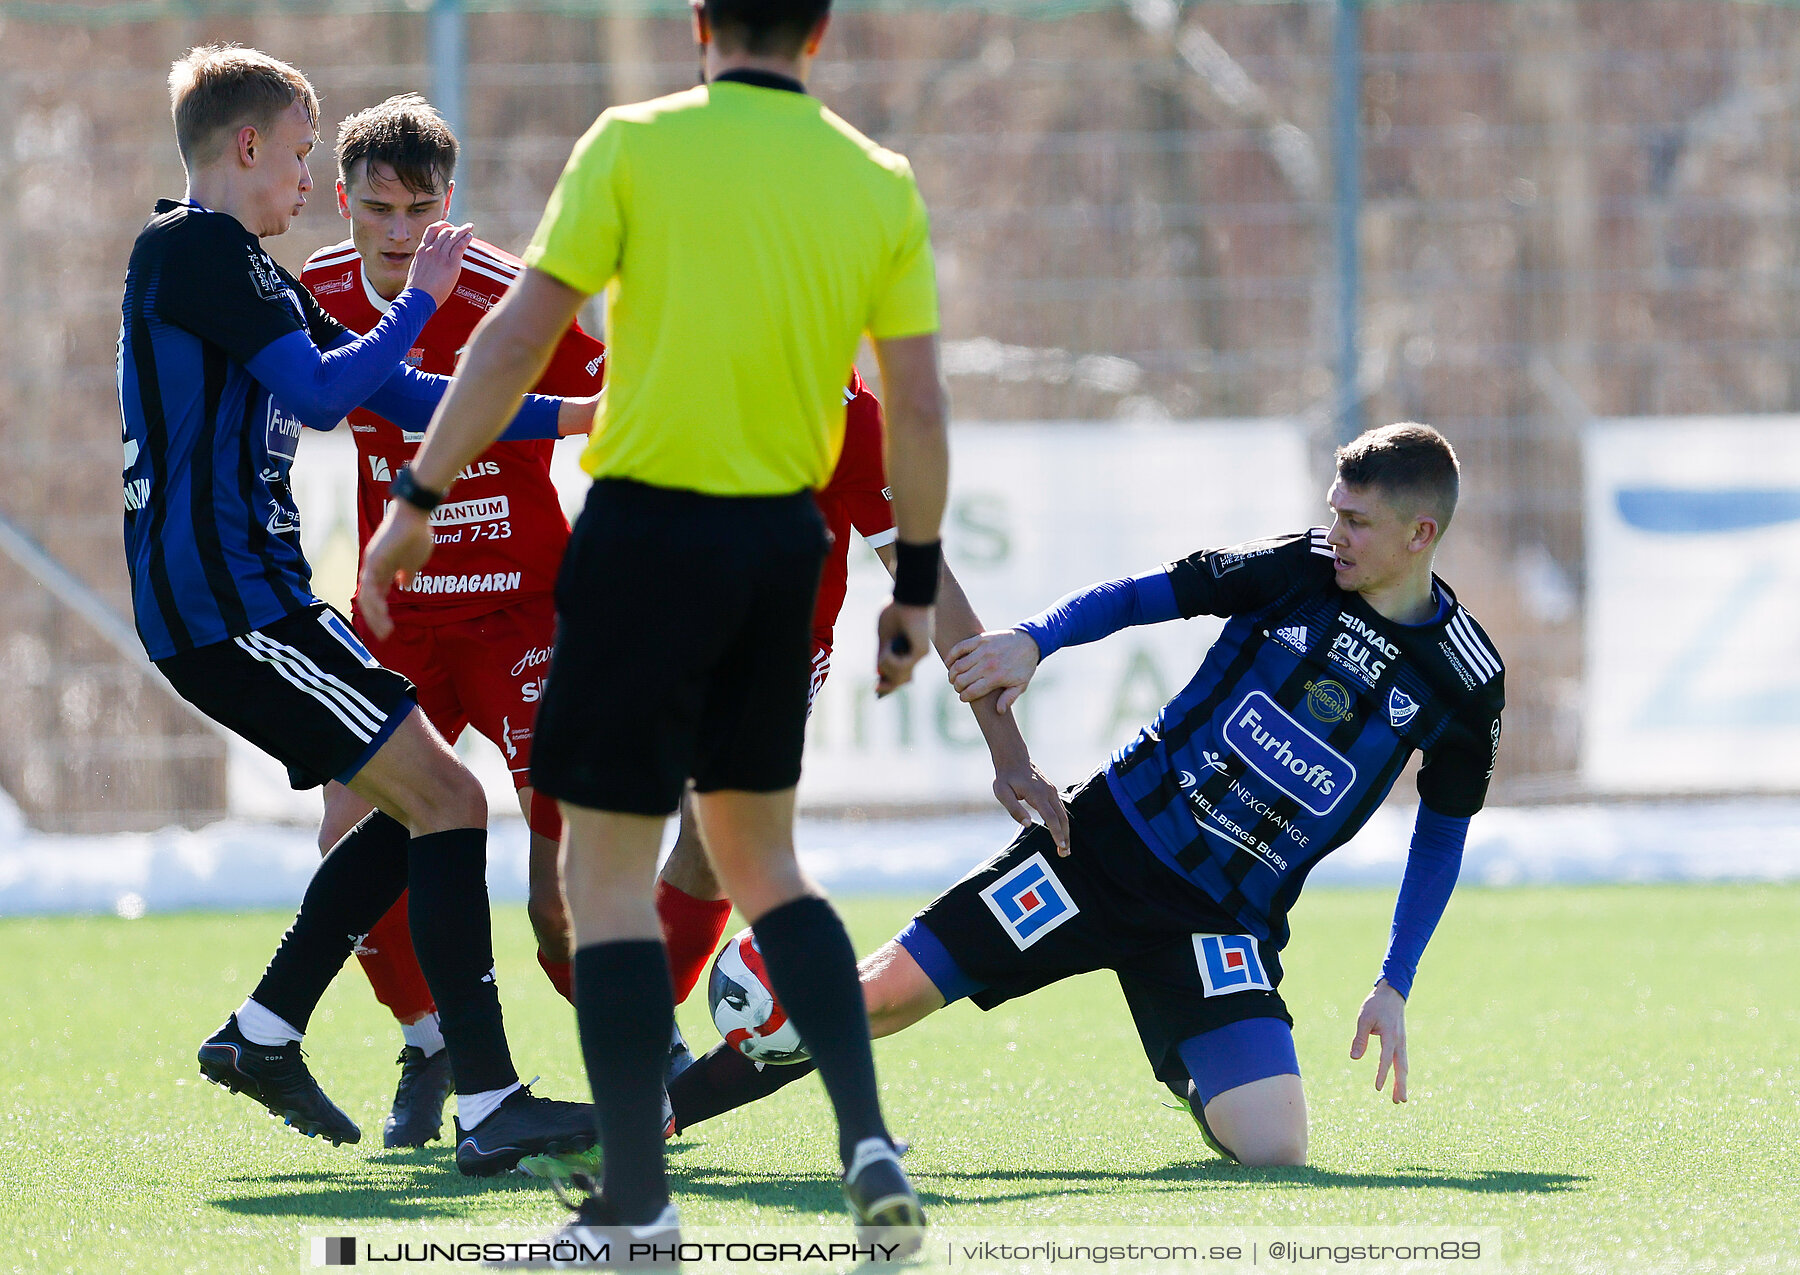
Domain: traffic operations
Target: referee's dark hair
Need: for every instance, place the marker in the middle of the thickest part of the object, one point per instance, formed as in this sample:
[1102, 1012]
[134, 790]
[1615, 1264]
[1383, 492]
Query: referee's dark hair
[1407, 462]
[404, 133]
[218, 87]
[777, 27]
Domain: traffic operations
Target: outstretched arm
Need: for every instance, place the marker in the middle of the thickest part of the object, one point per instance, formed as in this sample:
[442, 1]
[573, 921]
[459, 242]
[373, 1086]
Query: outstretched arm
[409, 399]
[1018, 784]
[1005, 660]
[506, 357]
[1432, 866]
[320, 387]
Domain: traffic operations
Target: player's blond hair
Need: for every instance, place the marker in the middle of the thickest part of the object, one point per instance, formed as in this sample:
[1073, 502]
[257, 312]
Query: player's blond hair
[217, 88]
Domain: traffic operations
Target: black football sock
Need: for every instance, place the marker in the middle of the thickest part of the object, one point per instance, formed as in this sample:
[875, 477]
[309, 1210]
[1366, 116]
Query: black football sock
[625, 1006]
[352, 888]
[724, 1080]
[447, 908]
[813, 971]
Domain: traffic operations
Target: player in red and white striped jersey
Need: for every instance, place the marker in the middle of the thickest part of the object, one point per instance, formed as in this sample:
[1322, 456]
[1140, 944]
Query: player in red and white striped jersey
[474, 633]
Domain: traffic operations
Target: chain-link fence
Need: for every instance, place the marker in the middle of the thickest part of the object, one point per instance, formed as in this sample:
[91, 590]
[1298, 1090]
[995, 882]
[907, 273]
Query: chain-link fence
[1565, 208]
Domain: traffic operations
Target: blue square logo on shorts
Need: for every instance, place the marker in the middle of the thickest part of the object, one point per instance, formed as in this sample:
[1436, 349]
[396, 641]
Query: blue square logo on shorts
[1229, 963]
[1029, 901]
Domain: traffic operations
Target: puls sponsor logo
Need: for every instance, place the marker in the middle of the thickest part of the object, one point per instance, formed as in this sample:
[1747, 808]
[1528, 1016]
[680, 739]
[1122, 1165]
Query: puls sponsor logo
[1282, 751]
[1355, 656]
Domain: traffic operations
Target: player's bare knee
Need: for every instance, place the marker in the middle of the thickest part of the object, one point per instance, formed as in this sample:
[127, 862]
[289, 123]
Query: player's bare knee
[549, 918]
[1270, 1149]
[452, 798]
[896, 991]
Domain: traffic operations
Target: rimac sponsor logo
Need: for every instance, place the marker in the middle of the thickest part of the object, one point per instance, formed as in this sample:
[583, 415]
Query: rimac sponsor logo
[1355, 649]
[1223, 564]
[1293, 637]
[1330, 701]
[491, 582]
[1029, 901]
[1402, 708]
[1230, 963]
[480, 300]
[1285, 753]
[487, 509]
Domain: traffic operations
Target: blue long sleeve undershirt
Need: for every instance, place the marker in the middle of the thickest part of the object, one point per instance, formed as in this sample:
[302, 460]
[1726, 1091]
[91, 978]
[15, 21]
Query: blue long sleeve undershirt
[319, 387]
[1089, 614]
[1432, 865]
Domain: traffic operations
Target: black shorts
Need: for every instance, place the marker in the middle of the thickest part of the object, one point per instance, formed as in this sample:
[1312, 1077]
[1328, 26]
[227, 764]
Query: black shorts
[1027, 918]
[303, 689]
[683, 647]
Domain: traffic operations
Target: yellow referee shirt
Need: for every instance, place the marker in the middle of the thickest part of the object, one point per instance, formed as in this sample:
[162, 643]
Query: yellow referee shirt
[746, 238]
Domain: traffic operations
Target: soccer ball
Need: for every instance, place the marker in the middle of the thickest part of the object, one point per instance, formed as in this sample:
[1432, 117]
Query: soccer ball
[744, 1008]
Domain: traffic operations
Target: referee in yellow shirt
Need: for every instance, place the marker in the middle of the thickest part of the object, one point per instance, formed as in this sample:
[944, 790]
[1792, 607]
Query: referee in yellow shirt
[746, 238]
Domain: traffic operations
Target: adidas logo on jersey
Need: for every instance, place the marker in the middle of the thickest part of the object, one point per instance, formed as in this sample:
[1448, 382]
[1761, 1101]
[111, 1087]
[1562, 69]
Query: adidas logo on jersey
[1293, 636]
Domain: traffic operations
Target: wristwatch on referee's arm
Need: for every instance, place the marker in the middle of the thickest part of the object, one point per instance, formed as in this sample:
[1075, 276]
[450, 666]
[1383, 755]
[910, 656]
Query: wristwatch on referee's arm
[916, 572]
[405, 487]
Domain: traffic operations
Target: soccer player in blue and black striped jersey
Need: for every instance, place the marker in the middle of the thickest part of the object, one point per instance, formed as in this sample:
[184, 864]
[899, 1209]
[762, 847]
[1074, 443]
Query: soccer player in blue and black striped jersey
[223, 358]
[1342, 655]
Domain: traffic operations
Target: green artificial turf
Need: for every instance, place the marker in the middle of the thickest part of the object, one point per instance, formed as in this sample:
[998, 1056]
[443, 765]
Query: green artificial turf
[1607, 1076]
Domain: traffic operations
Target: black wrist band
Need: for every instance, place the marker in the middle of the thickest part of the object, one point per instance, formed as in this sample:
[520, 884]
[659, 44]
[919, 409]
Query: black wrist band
[405, 487]
[916, 573]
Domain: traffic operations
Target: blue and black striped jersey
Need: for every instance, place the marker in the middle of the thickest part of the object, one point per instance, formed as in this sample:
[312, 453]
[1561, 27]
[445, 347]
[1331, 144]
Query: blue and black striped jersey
[1298, 722]
[212, 537]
